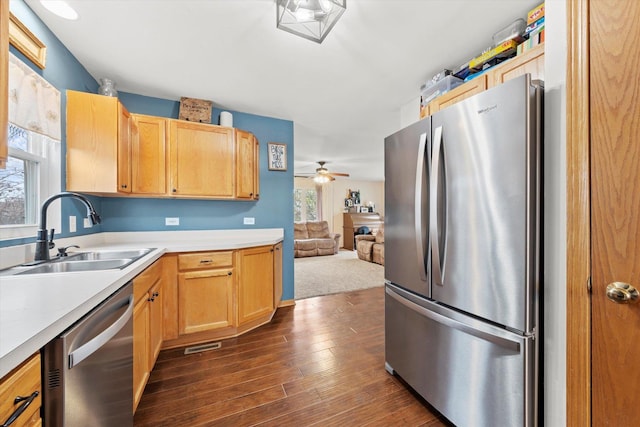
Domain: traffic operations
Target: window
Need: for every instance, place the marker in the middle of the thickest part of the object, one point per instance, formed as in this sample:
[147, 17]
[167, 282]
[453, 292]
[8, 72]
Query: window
[305, 205]
[32, 174]
[33, 170]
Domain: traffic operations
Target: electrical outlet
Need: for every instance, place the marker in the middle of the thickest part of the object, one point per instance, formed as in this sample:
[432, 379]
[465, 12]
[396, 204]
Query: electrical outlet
[249, 220]
[72, 224]
[86, 223]
[172, 221]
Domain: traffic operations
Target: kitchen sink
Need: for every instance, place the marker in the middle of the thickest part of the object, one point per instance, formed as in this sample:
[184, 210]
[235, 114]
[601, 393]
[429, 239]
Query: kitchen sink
[81, 261]
[106, 255]
[70, 266]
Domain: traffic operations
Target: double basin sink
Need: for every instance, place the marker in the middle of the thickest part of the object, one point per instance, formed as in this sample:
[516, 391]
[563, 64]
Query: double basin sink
[82, 261]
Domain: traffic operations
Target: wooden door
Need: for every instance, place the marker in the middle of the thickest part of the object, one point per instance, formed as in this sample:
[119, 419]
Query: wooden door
[124, 150]
[615, 209]
[245, 165]
[148, 156]
[205, 300]
[255, 283]
[140, 349]
[531, 62]
[277, 275]
[202, 160]
[155, 322]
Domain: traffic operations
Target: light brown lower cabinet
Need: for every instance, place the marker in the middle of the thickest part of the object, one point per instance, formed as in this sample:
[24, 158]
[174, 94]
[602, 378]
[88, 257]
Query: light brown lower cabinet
[255, 287]
[205, 300]
[220, 294]
[147, 326]
[24, 381]
[196, 297]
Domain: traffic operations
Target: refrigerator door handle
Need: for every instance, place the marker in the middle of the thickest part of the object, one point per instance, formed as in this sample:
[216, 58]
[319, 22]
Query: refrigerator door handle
[87, 349]
[420, 246]
[436, 317]
[436, 267]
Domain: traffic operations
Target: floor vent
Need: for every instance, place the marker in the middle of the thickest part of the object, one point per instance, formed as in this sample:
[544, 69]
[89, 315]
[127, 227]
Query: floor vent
[202, 347]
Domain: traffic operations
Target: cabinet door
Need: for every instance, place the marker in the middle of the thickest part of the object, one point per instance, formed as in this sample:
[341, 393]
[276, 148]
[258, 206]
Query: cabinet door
[148, 156]
[141, 369]
[155, 322]
[530, 62]
[205, 300]
[277, 275]
[22, 381]
[124, 149]
[98, 144]
[464, 91]
[245, 165]
[255, 283]
[256, 172]
[202, 160]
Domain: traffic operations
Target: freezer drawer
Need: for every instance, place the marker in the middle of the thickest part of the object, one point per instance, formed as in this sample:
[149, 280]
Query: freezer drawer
[475, 376]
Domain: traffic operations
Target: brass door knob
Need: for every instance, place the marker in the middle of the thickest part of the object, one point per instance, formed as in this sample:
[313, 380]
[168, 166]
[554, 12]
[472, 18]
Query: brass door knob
[622, 293]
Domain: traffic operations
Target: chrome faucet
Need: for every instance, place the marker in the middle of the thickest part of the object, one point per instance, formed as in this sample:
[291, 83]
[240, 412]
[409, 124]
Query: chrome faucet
[44, 239]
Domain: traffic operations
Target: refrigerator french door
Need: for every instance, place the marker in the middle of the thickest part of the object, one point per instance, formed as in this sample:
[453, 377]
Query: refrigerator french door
[464, 330]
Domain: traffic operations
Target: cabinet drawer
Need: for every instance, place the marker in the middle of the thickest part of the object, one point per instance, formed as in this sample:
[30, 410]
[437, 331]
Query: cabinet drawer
[205, 260]
[23, 381]
[146, 279]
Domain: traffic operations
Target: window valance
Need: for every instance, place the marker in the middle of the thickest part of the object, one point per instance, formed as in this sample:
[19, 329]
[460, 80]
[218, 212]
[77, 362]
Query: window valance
[34, 104]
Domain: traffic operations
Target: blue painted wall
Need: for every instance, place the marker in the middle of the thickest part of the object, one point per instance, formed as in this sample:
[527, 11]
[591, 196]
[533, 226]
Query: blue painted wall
[273, 210]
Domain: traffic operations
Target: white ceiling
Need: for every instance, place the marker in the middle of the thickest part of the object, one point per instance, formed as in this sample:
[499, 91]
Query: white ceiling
[344, 95]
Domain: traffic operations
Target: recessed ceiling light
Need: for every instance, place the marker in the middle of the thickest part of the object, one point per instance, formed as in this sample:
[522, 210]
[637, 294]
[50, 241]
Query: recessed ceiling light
[60, 8]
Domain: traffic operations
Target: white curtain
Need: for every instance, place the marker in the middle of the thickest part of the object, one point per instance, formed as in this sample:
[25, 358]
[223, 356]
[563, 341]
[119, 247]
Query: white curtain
[319, 202]
[34, 104]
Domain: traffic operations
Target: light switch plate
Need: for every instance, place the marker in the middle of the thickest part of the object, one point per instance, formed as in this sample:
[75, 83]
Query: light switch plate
[172, 221]
[72, 224]
[86, 223]
[249, 220]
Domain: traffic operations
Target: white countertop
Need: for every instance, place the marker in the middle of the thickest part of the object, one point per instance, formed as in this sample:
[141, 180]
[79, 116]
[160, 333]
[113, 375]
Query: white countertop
[36, 308]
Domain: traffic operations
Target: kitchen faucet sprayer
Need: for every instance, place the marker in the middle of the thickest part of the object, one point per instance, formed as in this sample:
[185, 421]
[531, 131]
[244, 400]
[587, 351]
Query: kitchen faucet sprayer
[44, 238]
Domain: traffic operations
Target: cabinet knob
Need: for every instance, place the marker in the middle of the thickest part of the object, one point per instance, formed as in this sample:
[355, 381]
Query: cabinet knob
[156, 294]
[229, 274]
[124, 186]
[174, 190]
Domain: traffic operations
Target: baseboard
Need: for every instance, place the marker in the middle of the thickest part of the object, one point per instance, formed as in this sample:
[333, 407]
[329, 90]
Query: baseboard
[287, 303]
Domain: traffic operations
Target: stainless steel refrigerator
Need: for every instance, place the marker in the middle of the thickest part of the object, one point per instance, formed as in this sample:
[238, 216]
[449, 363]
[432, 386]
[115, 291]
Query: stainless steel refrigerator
[462, 247]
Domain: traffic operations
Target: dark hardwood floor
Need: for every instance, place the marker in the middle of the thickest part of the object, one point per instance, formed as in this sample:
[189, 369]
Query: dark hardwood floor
[320, 362]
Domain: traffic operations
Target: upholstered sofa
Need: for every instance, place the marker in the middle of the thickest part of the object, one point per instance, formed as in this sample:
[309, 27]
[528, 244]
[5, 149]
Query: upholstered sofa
[312, 238]
[371, 248]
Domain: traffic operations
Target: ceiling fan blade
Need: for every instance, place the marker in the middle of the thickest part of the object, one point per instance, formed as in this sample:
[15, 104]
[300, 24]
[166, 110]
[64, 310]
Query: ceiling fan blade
[338, 174]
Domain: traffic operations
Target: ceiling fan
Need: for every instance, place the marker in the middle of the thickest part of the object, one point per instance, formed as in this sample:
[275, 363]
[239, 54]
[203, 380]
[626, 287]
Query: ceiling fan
[323, 175]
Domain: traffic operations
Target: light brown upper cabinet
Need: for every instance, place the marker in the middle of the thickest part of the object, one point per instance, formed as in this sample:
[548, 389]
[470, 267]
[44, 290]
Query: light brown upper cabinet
[98, 144]
[201, 158]
[531, 62]
[149, 155]
[477, 85]
[247, 165]
[113, 153]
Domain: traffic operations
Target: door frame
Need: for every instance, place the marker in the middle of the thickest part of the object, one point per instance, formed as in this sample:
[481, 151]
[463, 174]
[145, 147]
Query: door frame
[578, 333]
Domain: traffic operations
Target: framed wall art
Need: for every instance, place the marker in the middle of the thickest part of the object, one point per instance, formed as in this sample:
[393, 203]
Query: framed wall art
[277, 156]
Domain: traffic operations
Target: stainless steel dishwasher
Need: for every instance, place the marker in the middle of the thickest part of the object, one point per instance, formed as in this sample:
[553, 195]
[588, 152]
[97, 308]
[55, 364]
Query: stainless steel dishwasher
[88, 370]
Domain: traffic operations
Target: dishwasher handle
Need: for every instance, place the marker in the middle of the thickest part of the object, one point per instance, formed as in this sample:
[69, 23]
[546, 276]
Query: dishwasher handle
[93, 345]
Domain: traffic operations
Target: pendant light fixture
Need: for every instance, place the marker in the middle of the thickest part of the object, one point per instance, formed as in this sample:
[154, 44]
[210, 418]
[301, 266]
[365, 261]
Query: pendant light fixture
[311, 19]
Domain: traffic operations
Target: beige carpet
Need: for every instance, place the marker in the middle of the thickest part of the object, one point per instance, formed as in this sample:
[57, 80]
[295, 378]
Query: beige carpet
[330, 274]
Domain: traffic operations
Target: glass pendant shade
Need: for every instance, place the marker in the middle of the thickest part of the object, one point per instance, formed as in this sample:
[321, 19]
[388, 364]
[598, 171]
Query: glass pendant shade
[311, 19]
